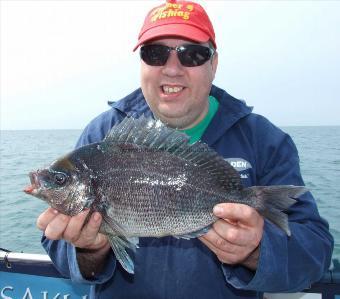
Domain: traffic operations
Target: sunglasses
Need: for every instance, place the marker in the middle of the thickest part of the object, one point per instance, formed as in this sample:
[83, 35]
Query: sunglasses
[189, 55]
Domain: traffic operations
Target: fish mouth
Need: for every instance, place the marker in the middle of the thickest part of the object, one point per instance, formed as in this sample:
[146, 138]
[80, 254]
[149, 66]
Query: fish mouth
[35, 184]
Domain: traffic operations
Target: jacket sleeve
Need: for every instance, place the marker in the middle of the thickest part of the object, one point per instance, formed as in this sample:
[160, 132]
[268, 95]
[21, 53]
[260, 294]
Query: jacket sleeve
[286, 264]
[64, 258]
[63, 254]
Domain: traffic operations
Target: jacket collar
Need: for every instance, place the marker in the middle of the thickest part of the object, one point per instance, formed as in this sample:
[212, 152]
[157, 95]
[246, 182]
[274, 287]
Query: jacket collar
[133, 104]
[230, 111]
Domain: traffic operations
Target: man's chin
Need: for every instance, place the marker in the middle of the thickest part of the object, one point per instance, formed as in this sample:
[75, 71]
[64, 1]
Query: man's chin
[174, 120]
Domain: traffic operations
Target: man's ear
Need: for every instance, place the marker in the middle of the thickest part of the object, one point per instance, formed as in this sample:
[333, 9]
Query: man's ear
[214, 63]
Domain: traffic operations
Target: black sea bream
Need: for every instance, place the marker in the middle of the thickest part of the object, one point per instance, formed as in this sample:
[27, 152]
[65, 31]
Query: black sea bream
[146, 180]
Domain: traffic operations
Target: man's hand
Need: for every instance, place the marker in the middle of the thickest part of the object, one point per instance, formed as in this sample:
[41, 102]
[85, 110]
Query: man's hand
[92, 246]
[72, 229]
[235, 238]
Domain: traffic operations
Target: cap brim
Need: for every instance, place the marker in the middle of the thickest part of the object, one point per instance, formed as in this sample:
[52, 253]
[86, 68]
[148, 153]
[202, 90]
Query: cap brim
[177, 30]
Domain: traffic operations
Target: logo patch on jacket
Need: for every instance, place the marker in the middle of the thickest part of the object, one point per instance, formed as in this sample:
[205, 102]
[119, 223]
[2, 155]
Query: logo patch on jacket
[240, 165]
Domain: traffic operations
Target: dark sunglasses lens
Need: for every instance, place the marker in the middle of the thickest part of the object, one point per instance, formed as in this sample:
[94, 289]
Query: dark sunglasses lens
[155, 55]
[194, 55]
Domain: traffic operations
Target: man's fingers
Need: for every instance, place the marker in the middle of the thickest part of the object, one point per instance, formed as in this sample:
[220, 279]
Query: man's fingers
[74, 226]
[90, 235]
[224, 256]
[218, 243]
[233, 234]
[236, 234]
[76, 229]
[237, 213]
[55, 229]
[46, 217]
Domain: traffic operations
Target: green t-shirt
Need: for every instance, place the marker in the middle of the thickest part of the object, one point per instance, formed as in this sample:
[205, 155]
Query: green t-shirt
[197, 131]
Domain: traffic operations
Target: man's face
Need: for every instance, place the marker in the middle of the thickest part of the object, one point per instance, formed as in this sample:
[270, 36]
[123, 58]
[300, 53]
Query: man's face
[176, 94]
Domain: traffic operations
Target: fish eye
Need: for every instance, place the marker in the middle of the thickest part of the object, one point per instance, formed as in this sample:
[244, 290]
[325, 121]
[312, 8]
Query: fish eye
[59, 178]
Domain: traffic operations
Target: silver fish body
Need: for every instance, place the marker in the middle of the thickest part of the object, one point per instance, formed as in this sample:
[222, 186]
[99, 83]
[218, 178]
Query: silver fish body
[148, 181]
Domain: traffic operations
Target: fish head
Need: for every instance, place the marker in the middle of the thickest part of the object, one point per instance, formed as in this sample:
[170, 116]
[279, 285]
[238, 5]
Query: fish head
[63, 186]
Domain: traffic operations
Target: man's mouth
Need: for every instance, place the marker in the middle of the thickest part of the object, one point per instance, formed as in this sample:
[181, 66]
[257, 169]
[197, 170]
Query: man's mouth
[171, 89]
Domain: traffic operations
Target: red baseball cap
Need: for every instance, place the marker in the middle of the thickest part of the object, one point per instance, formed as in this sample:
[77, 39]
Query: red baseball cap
[184, 19]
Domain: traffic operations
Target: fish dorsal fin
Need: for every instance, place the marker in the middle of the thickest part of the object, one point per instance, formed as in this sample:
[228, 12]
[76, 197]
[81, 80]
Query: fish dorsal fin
[146, 132]
[153, 134]
[219, 169]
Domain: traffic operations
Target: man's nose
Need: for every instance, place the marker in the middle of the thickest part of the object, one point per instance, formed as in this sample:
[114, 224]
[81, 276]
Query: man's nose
[173, 66]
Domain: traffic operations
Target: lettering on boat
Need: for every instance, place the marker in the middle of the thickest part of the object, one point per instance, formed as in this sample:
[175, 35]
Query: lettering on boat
[7, 293]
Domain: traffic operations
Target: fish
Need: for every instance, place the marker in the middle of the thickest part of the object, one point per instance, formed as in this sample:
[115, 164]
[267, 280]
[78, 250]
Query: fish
[147, 180]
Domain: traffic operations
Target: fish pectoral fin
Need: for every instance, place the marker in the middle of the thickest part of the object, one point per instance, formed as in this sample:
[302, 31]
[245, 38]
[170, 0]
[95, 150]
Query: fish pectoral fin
[194, 234]
[119, 245]
[116, 228]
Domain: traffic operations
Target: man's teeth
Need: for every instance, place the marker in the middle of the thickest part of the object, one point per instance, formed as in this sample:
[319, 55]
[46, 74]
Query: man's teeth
[168, 89]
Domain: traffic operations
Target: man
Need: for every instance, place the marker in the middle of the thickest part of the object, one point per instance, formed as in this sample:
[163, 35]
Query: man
[242, 255]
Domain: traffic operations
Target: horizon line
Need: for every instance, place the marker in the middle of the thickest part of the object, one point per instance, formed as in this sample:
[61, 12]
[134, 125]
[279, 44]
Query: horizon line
[81, 129]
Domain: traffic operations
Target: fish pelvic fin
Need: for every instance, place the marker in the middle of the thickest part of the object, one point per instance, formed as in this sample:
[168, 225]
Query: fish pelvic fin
[119, 245]
[272, 201]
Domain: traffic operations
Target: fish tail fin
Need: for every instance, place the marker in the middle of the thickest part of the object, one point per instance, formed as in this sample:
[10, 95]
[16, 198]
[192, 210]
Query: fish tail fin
[271, 201]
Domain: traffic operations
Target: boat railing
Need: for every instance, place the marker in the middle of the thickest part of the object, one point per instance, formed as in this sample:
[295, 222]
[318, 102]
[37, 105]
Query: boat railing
[21, 276]
[31, 276]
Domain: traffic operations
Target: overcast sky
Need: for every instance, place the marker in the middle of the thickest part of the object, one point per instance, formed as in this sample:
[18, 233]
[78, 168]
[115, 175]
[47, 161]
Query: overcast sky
[61, 61]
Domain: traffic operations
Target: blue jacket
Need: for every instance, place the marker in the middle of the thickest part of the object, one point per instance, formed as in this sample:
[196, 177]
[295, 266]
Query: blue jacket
[176, 268]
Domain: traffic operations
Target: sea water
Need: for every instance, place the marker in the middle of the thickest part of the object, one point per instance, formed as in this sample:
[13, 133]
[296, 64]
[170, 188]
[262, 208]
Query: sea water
[24, 151]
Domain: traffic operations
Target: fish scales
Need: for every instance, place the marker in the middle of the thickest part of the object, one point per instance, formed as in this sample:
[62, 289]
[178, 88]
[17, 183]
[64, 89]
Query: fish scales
[148, 181]
[155, 197]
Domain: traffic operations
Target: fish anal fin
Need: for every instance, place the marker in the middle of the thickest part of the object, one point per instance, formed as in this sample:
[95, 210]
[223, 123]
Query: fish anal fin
[194, 234]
